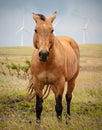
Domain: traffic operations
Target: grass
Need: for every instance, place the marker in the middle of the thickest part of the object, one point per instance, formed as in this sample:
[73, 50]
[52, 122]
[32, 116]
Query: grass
[16, 51]
[86, 108]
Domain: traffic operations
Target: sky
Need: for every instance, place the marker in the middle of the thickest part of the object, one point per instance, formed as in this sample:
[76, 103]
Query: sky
[72, 16]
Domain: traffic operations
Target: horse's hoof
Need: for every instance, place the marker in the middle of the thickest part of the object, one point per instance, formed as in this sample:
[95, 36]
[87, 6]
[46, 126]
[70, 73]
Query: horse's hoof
[67, 118]
[59, 118]
[38, 121]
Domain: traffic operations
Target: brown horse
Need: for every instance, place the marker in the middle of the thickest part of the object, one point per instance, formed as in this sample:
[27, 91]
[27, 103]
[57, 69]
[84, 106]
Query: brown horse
[55, 61]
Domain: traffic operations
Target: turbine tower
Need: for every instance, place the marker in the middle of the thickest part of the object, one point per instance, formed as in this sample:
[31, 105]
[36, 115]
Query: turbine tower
[21, 30]
[84, 29]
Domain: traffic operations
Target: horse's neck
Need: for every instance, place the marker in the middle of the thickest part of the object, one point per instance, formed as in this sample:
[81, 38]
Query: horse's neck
[57, 45]
[55, 49]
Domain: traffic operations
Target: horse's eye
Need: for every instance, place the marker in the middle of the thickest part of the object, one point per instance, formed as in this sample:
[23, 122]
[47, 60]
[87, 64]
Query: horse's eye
[36, 30]
[52, 31]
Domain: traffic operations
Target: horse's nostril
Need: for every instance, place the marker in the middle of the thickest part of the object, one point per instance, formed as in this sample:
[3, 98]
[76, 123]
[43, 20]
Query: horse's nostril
[47, 53]
[40, 53]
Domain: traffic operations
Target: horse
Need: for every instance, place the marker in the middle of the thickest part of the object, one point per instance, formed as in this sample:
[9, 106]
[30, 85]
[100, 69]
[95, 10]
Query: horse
[55, 61]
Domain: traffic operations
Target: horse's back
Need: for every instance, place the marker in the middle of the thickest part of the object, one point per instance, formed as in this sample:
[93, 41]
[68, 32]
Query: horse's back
[71, 42]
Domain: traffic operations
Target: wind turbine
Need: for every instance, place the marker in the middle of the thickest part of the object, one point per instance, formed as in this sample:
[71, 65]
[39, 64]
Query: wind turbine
[21, 30]
[84, 29]
[55, 24]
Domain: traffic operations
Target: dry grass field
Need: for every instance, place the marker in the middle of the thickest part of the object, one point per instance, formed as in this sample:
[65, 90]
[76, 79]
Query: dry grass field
[86, 108]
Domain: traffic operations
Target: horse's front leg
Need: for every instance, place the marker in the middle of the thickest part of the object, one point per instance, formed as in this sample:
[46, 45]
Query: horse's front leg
[39, 100]
[58, 96]
[59, 107]
[71, 85]
[39, 107]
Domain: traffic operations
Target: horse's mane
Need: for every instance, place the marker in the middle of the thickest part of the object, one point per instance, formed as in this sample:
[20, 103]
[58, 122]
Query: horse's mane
[41, 16]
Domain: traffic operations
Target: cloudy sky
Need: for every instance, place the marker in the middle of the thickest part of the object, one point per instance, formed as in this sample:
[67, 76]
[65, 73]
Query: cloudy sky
[72, 15]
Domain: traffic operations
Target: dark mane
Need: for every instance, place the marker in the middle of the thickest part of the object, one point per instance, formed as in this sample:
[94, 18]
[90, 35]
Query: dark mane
[42, 17]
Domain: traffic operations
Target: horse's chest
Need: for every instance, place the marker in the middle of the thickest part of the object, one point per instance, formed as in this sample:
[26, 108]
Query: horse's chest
[46, 77]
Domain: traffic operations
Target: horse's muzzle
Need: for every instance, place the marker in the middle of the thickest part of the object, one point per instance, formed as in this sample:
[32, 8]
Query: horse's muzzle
[43, 56]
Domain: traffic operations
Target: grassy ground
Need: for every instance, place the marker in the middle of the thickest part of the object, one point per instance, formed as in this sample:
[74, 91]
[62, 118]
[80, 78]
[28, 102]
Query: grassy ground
[86, 107]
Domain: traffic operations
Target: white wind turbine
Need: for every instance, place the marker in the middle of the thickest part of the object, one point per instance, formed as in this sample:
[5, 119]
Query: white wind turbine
[21, 30]
[84, 29]
[55, 24]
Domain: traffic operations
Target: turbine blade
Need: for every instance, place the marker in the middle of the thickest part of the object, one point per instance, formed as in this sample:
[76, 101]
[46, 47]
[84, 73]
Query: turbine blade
[19, 30]
[55, 24]
[86, 25]
[23, 22]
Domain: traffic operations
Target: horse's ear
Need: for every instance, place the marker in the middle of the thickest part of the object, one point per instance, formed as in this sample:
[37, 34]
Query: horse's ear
[53, 17]
[35, 17]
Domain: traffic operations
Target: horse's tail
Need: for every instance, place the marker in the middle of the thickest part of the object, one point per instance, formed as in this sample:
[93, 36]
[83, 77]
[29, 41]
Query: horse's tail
[47, 90]
[31, 91]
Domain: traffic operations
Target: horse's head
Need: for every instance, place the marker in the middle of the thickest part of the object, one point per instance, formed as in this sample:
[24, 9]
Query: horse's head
[43, 36]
